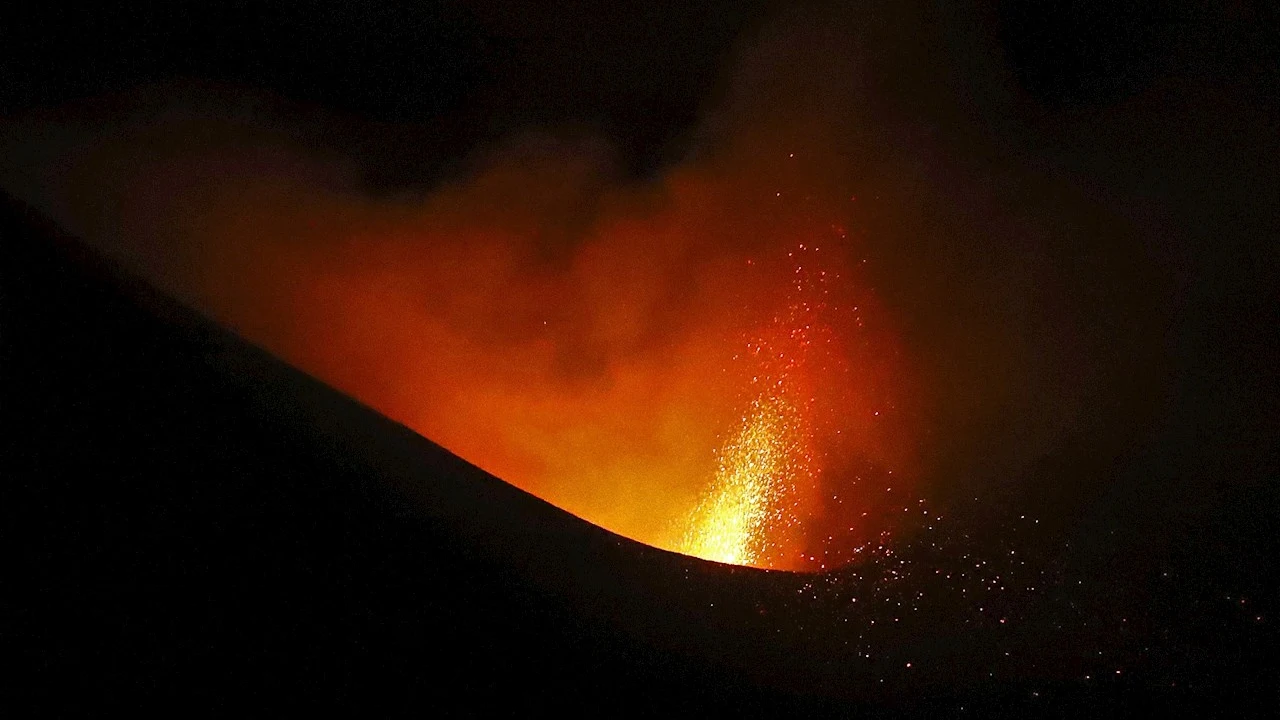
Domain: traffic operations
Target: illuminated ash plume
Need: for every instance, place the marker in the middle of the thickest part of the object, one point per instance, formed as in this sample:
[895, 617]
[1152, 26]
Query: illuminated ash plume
[635, 353]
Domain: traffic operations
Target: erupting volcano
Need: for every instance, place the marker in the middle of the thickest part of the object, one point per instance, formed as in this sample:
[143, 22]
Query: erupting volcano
[609, 358]
[698, 361]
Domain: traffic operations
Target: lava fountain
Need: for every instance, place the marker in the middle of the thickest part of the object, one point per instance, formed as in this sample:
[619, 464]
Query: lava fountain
[759, 508]
[750, 502]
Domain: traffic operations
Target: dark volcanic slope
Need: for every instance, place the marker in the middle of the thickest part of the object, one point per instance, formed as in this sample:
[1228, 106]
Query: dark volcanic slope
[191, 520]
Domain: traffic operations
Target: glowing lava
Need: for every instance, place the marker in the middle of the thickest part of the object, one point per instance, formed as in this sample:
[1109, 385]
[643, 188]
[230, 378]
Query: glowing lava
[767, 474]
[751, 502]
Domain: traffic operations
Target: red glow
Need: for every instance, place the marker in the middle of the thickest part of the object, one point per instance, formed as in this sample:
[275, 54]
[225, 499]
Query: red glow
[628, 353]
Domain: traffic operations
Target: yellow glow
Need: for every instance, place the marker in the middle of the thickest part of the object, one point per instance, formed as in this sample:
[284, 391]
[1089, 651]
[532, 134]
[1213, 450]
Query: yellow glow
[746, 511]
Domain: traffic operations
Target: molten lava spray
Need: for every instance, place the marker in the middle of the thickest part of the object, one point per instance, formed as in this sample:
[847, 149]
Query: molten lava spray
[768, 470]
[750, 504]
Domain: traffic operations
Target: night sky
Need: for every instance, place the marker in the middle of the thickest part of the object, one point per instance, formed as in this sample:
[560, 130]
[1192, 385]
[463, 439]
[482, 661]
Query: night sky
[1065, 218]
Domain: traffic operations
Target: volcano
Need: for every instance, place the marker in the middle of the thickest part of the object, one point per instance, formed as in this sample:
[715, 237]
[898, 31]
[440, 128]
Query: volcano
[198, 523]
[407, 358]
[197, 520]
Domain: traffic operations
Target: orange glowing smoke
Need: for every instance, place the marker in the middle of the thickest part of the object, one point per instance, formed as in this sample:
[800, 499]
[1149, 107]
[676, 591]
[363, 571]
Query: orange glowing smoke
[672, 360]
